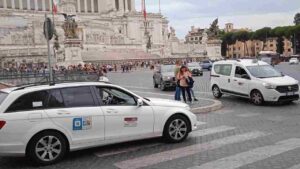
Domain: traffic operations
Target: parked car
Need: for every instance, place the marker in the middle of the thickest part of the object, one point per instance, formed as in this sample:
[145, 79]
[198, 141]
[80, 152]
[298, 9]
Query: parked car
[206, 64]
[294, 61]
[253, 79]
[164, 77]
[195, 68]
[45, 122]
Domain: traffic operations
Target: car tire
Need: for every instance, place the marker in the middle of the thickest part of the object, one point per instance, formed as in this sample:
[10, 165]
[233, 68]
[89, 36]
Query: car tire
[40, 151]
[257, 98]
[176, 129]
[216, 92]
[154, 84]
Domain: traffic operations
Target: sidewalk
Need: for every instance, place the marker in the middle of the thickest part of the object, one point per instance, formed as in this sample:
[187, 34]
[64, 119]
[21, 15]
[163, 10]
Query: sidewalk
[205, 105]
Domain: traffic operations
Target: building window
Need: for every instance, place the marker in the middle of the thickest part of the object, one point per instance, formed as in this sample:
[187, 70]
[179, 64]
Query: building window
[271, 45]
[40, 5]
[233, 48]
[196, 38]
[47, 5]
[8, 4]
[24, 3]
[239, 48]
[82, 6]
[96, 6]
[32, 6]
[192, 39]
[89, 6]
[117, 4]
[289, 50]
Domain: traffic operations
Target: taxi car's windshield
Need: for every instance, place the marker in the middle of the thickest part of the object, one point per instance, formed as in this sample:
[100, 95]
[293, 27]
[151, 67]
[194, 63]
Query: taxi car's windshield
[2, 97]
[168, 68]
[263, 71]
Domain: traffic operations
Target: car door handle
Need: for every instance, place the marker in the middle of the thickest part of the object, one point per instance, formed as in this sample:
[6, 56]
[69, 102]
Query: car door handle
[63, 113]
[240, 83]
[111, 111]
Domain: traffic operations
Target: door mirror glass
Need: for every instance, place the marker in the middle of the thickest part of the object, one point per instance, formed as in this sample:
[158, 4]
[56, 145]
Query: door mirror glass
[245, 76]
[140, 102]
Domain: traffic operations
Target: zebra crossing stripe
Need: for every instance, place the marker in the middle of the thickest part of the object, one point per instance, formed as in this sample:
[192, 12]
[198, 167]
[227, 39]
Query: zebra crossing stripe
[249, 157]
[164, 156]
[295, 167]
[209, 131]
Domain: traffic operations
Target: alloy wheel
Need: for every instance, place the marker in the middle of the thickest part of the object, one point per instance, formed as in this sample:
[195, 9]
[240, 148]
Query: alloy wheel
[177, 129]
[48, 148]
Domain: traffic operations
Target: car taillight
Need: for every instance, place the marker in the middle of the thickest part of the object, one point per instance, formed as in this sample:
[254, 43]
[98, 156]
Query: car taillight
[2, 123]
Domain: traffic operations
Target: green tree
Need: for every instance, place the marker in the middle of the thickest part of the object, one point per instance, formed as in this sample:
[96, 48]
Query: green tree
[280, 45]
[297, 19]
[243, 36]
[263, 34]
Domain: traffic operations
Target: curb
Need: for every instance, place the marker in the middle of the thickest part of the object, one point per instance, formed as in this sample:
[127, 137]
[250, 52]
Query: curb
[217, 105]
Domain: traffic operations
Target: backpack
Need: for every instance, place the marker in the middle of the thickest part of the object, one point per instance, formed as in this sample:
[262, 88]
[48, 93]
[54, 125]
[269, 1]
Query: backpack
[190, 81]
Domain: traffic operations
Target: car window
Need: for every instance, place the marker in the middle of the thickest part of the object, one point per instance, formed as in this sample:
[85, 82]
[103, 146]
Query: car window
[239, 72]
[55, 99]
[77, 97]
[2, 97]
[223, 69]
[30, 101]
[111, 96]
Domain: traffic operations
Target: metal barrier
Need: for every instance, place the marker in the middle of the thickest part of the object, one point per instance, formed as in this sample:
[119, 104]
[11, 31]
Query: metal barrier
[17, 79]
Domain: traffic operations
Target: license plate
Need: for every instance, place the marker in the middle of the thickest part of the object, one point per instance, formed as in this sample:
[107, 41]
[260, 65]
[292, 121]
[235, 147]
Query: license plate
[290, 93]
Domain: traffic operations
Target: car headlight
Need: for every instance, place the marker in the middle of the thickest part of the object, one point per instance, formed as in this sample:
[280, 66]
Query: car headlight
[167, 78]
[269, 86]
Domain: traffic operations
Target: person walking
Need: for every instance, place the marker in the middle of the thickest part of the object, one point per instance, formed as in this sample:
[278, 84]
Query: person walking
[191, 85]
[176, 71]
[184, 79]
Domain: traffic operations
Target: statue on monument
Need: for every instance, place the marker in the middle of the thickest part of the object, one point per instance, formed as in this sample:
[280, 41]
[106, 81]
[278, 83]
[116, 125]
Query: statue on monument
[213, 31]
[70, 27]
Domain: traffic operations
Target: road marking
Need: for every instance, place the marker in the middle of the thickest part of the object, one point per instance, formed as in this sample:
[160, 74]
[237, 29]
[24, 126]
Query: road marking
[295, 167]
[124, 150]
[248, 114]
[204, 132]
[249, 157]
[185, 151]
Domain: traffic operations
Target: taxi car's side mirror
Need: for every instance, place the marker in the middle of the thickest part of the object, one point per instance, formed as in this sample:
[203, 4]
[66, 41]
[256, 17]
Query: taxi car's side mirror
[140, 102]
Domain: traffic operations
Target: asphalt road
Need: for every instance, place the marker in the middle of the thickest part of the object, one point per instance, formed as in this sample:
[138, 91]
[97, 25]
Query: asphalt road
[240, 135]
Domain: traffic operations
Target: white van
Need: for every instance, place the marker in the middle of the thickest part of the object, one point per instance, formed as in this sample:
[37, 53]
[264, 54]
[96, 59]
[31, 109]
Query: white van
[252, 79]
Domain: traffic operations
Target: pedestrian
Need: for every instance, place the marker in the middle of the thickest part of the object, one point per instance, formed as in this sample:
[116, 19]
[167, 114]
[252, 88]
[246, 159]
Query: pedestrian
[191, 85]
[184, 77]
[176, 71]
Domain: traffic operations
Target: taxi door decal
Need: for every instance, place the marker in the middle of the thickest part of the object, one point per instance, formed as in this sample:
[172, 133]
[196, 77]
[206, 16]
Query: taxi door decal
[130, 121]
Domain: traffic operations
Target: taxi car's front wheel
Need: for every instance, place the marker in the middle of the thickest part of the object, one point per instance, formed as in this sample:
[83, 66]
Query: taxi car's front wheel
[176, 129]
[47, 148]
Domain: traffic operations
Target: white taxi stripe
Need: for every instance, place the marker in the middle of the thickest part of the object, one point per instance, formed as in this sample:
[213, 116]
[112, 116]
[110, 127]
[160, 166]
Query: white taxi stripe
[241, 159]
[124, 150]
[295, 167]
[204, 132]
[185, 151]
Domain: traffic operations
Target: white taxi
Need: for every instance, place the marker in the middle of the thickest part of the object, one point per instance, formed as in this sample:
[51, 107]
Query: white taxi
[45, 122]
[252, 79]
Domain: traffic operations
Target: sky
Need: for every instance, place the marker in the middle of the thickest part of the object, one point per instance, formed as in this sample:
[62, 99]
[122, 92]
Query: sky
[253, 14]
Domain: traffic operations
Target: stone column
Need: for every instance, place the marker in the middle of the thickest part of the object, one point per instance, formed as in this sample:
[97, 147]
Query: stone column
[28, 4]
[36, 7]
[13, 6]
[4, 4]
[78, 6]
[85, 6]
[126, 5]
[43, 5]
[92, 6]
[114, 5]
[121, 5]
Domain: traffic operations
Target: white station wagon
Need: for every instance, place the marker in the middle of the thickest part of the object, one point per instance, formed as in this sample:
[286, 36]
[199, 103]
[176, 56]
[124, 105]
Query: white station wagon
[252, 79]
[45, 122]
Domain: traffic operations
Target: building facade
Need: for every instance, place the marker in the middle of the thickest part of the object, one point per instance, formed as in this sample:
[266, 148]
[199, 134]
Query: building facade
[252, 48]
[194, 36]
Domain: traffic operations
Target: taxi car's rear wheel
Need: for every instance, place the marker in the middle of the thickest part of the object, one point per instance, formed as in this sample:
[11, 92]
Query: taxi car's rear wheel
[257, 98]
[216, 92]
[176, 129]
[47, 148]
